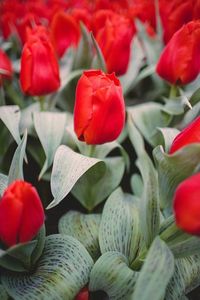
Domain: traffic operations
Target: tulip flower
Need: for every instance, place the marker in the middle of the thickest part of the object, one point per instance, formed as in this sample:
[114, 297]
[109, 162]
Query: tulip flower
[5, 67]
[83, 295]
[99, 112]
[39, 73]
[114, 39]
[21, 213]
[179, 62]
[65, 32]
[189, 135]
[186, 205]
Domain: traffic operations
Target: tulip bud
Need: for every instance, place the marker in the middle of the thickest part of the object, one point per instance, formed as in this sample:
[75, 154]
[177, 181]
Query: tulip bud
[179, 62]
[186, 205]
[189, 135]
[65, 32]
[21, 213]
[5, 67]
[114, 39]
[83, 295]
[39, 67]
[99, 112]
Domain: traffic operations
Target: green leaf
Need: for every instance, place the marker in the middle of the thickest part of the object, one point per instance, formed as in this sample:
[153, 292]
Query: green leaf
[135, 136]
[166, 136]
[112, 275]
[85, 228]
[26, 121]
[3, 183]
[16, 168]
[40, 239]
[156, 272]
[98, 60]
[186, 277]
[173, 169]
[10, 116]
[147, 117]
[3, 294]
[98, 182]
[149, 205]
[18, 257]
[119, 228]
[136, 62]
[137, 185]
[68, 167]
[50, 129]
[62, 270]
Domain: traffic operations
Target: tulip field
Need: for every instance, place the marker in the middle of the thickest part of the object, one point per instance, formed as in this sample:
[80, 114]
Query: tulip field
[99, 150]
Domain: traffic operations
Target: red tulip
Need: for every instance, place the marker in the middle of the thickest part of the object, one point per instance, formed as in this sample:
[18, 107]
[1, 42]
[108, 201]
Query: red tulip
[5, 67]
[65, 32]
[99, 112]
[83, 295]
[114, 39]
[187, 205]
[39, 67]
[174, 14]
[189, 135]
[21, 213]
[179, 62]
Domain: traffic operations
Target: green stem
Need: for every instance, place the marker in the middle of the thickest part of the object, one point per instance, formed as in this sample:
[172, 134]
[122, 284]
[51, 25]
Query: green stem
[91, 150]
[173, 92]
[42, 102]
[138, 262]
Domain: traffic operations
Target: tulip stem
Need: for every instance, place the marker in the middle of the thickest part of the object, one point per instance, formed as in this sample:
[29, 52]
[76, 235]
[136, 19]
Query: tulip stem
[42, 102]
[173, 92]
[91, 150]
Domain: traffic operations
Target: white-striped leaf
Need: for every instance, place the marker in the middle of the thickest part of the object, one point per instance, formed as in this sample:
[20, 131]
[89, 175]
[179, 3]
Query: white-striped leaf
[156, 272]
[68, 167]
[3, 183]
[62, 270]
[16, 168]
[98, 182]
[112, 275]
[50, 129]
[10, 116]
[119, 228]
[84, 228]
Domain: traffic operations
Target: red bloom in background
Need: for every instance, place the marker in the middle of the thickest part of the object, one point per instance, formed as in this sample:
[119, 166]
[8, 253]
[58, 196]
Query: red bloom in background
[83, 295]
[174, 14]
[186, 205]
[65, 32]
[21, 213]
[179, 62]
[6, 70]
[39, 67]
[99, 112]
[114, 39]
[189, 135]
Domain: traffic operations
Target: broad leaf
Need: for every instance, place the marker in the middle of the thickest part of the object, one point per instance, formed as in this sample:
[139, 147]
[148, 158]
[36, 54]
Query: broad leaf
[173, 169]
[85, 228]
[98, 182]
[112, 275]
[10, 116]
[50, 129]
[119, 228]
[3, 183]
[16, 168]
[62, 270]
[3, 294]
[156, 272]
[68, 167]
[166, 136]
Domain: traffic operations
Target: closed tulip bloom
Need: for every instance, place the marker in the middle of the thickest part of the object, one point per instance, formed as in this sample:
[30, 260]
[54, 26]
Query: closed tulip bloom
[186, 205]
[6, 70]
[21, 213]
[179, 62]
[99, 112]
[39, 73]
[114, 39]
[65, 32]
[189, 135]
[83, 295]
